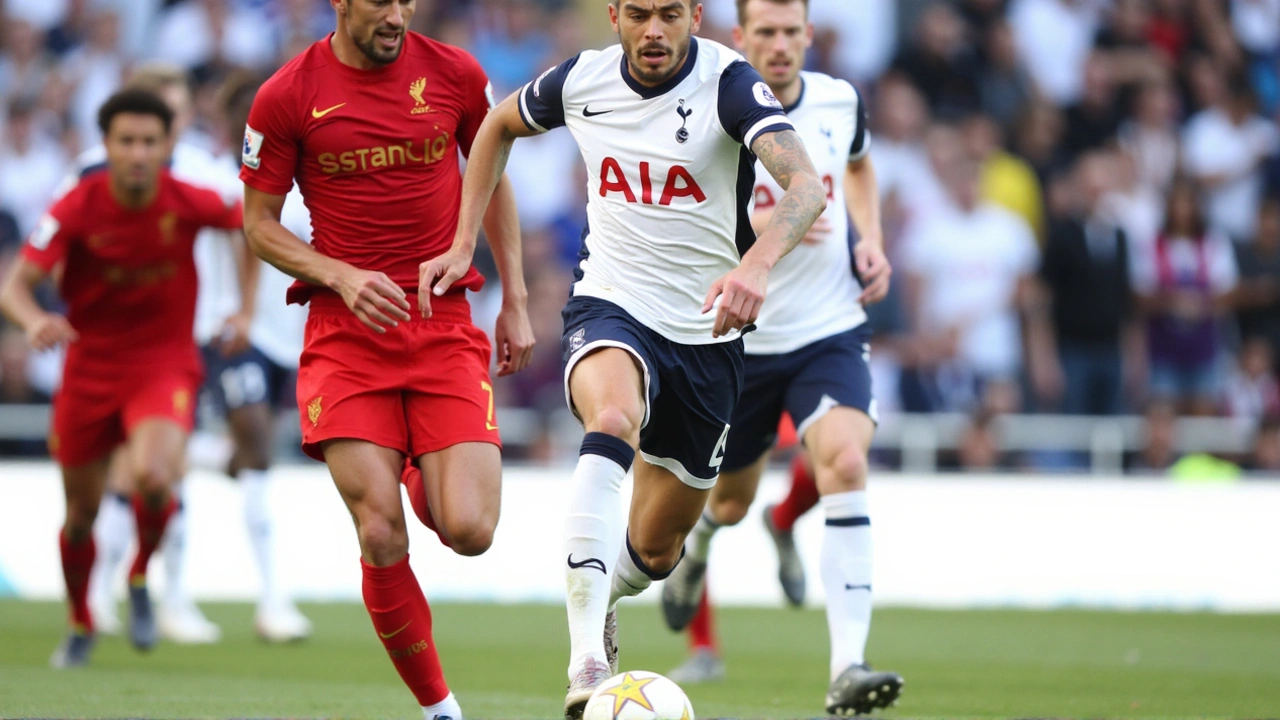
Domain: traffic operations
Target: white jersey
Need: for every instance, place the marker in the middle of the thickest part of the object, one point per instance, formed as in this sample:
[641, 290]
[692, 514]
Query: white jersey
[813, 293]
[669, 177]
[278, 328]
[218, 296]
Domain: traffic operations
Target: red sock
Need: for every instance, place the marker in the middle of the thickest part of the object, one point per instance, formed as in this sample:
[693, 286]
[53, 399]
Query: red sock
[799, 500]
[77, 562]
[151, 524]
[411, 478]
[702, 632]
[402, 618]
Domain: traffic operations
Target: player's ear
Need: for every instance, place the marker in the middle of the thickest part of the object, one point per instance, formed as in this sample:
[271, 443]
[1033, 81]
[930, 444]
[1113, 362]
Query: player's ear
[613, 16]
[340, 6]
[738, 37]
[808, 35]
[697, 17]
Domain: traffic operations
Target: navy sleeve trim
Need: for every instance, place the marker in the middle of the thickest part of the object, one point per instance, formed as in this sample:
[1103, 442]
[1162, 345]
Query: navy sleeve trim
[746, 105]
[861, 136]
[542, 101]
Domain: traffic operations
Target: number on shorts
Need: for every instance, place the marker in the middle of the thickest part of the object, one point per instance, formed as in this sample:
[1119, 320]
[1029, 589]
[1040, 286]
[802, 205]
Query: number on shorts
[489, 424]
[717, 456]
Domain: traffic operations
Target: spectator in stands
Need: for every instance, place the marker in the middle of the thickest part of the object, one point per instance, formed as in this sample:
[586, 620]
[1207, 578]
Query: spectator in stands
[1258, 297]
[1054, 40]
[1252, 391]
[1150, 135]
[199, 34]
[969, 266]
[15, 389]
[1004, 87]
[908, 186]
[31, 166]
[1086, 273]
[25, 66]
[1159, 448]
[1183, 279]
[941, 64]
[95, 70]
[1037, 139]
[1123, 43]
[1007, 180]
[1093, 121]
[514, 41]
[1225, 148]
[854, 40]
[1265, 455]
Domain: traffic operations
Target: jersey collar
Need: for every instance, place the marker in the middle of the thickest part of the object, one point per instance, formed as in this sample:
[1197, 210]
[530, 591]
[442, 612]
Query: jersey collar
[792, 107]
[648, 93]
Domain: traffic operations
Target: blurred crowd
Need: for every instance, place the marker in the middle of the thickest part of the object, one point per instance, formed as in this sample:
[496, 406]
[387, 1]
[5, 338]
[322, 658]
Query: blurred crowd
[1081, 197]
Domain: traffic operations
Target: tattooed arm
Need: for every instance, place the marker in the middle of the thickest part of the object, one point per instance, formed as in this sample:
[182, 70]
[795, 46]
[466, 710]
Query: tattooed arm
[742, 291]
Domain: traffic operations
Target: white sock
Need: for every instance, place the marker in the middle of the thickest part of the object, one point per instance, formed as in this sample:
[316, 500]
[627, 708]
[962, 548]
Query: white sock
[846, 576]
[257, 519]
[446, 709]
[593, 532]
[174, 548]
[698, 545]
[113, 532]
[629, 579]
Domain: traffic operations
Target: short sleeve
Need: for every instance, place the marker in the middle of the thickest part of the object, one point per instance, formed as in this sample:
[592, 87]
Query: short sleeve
[477, 101]
[747, 106]
[270, 152]
[542, 101]
[1224, 272]
[212, 211]
[52, 237]
[861, 135]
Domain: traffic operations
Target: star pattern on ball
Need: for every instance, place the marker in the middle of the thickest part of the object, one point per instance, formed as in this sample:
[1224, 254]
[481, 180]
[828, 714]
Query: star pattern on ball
[631, 689]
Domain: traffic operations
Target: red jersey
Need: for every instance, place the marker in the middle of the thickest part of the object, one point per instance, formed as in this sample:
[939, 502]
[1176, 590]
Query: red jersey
[375, 152]
[130, 276]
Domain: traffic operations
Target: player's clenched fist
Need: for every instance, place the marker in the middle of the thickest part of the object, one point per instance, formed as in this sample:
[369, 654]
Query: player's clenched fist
[49, 331]
[741, 294]
[513, 335]
[439, 274]
[374, 298]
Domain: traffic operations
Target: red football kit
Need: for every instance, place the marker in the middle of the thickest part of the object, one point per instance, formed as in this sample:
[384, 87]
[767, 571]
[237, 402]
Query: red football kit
[375, 154]
[129, 283]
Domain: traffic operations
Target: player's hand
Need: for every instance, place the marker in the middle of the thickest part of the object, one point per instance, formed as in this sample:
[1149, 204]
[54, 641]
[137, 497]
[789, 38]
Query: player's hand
[875, 270]
[234, 337]
[50, 331]
[741, 295]
[818, 232]
[437, 275]
[375, 299]
[513, 334]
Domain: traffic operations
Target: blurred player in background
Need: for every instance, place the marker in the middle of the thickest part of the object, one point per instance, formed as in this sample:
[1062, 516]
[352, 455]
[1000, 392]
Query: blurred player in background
[809, 359]
[670, 275]
[239, 381]
[123, 243]
[370, 121]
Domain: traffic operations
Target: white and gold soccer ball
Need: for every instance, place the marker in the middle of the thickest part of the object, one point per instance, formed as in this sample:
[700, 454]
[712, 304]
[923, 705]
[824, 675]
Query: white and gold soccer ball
[638, 695]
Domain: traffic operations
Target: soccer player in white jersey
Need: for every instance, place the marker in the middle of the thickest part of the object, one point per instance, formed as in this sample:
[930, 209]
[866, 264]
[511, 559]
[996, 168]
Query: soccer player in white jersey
[809, 356]
[224, 324]
[670, 276]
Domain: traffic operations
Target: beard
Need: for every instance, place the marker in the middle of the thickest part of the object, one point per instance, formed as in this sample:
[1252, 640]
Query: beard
[377, 54]
[656, 76]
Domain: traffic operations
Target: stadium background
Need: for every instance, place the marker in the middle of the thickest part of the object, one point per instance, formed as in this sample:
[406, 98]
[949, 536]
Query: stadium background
[1081, 114]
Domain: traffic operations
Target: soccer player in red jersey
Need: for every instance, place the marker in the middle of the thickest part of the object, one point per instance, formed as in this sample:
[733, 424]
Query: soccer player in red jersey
[369, 122]
[124, 241]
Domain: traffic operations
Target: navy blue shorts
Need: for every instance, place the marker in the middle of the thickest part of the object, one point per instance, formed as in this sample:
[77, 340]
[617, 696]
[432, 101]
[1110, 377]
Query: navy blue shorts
[806, 383]
[691, 389]
[246, 379]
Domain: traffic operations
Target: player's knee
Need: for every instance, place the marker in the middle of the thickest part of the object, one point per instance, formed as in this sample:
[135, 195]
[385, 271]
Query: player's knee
[383, 540]
[81, 515]
[470, 537]
[847, 470]
[154, 479]
[618, 421]
[729, 511]
[659, 558]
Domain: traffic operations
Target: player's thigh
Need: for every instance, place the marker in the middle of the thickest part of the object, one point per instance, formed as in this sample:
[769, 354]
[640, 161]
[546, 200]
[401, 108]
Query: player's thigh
[157, 453]
[838, 444]
[754, 426]
[832, 401]
[734, 492]
[664, 508]
[464, 489]
[86, 424]
[610, 375]
[83, 486]
[367, 477]
[120, 478]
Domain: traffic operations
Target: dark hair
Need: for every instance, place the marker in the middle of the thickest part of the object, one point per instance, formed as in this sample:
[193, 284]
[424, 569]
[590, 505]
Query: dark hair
[742, 8]
[136, 102]
[1185, 184]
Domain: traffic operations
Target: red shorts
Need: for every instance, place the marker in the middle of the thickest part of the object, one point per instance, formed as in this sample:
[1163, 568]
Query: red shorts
[418, 388]
[92, 415]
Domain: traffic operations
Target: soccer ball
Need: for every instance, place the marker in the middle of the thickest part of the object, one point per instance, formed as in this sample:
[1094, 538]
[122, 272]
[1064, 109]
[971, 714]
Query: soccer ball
[638, 695]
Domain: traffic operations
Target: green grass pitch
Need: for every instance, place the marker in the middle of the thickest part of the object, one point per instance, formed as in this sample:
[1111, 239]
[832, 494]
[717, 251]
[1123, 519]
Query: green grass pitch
[507, 661]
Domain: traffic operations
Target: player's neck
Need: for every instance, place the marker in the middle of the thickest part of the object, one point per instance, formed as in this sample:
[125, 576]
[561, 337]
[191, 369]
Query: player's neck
[788, 94]
[344, 48]
[131, 199]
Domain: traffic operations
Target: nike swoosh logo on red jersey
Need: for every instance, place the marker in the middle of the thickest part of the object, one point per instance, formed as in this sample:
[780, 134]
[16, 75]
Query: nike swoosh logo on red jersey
[317, 114]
